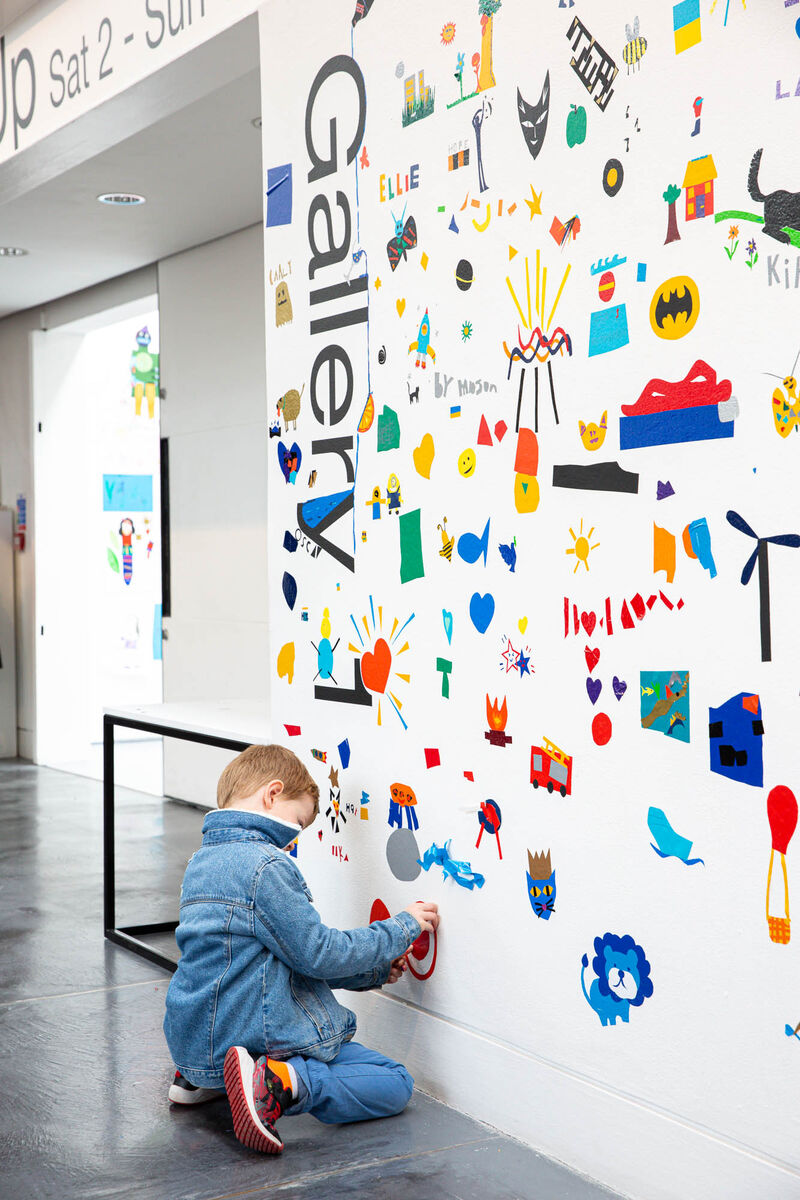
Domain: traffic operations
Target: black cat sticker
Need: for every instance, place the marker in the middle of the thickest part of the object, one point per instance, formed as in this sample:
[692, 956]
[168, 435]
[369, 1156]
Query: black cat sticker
[781, 208]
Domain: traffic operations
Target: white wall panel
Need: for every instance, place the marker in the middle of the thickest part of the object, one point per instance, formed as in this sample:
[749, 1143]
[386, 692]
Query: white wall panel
[695, 1092]
[215, 416]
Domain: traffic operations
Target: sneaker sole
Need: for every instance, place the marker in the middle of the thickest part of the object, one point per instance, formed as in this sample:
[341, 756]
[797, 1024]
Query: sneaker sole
[179, 1095]
[247, 1126]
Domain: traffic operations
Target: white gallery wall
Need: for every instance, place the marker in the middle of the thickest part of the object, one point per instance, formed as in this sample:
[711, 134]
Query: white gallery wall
[214, 417]
[470, 210]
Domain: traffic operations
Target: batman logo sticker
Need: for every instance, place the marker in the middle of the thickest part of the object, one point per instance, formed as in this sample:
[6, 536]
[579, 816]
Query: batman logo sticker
[675, 307]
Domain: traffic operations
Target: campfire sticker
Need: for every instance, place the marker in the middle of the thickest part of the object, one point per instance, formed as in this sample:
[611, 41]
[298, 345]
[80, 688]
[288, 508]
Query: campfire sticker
[497, 718]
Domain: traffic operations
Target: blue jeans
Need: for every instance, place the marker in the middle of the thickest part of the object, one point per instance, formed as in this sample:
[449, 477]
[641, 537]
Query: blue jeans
[357, 1085]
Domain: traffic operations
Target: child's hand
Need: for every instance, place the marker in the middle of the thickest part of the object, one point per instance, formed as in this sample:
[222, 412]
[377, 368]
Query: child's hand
[427, 913]
[399, 965]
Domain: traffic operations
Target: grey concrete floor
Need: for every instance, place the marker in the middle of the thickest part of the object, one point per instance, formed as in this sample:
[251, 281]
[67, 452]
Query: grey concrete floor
[84, 1069]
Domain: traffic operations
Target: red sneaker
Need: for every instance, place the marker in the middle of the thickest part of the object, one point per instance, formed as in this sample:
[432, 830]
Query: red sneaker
[255, 1109]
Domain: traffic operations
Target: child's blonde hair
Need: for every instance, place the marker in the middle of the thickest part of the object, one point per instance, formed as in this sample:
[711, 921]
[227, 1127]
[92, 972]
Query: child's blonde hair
[256, 766]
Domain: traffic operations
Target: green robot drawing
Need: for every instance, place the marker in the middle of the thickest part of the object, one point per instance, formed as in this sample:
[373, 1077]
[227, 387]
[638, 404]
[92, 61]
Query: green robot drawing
[144, 373]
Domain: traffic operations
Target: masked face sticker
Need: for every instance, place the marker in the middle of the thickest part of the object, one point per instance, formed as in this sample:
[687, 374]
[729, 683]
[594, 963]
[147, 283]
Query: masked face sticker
[533, 118]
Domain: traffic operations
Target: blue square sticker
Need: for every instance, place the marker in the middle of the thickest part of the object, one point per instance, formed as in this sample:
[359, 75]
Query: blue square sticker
[279, 195]
[608, 329]
[127, 493]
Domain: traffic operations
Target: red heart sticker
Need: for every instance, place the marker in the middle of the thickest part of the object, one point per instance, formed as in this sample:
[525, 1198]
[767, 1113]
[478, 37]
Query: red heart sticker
[375, 667]
[592, 658]
[588, 621]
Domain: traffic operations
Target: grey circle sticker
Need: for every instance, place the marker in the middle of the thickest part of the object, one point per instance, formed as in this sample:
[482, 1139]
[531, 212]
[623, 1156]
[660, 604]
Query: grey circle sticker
[402, 853]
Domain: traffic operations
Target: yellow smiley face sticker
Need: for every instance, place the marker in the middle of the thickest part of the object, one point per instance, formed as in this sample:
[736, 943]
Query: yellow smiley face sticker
[675, 307]
[466, 463]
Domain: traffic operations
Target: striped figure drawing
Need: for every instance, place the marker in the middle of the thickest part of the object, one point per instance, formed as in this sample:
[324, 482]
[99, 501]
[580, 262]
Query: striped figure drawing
[126, 532]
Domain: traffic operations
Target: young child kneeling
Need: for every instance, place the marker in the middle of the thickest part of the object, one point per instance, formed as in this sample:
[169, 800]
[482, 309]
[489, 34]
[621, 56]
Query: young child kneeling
[250, 1006]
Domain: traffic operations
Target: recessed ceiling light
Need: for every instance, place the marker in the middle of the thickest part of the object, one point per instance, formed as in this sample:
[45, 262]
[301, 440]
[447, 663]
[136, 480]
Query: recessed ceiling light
[257, 122]
[121, 198]
[12, 252]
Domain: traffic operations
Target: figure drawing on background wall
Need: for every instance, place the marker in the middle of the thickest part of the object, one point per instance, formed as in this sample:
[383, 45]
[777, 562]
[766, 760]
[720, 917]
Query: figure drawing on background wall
[144, 372]
[126, 532]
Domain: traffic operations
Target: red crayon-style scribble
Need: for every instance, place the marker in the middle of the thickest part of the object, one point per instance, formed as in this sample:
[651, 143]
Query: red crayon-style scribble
[633, 606]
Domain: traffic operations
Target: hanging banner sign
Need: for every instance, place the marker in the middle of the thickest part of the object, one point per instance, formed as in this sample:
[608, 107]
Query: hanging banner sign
[83, 53]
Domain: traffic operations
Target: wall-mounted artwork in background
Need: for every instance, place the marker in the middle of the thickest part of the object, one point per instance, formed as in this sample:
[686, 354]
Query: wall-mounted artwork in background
[128, 493]
[144, 373]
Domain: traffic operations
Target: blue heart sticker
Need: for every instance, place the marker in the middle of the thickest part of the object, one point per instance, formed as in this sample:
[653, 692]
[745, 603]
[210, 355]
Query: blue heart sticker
[481, 611]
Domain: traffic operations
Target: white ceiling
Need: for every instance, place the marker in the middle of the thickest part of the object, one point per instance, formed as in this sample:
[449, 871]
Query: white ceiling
[12, 10]
[199, 168]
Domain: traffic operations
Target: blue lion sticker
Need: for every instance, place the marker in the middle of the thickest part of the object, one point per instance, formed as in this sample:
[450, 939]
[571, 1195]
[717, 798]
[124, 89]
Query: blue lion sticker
[623, 977]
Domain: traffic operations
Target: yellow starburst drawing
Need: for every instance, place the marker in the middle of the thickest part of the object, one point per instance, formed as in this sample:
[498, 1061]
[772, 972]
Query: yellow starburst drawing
[448, 32]
[581, 548]
[378, 655]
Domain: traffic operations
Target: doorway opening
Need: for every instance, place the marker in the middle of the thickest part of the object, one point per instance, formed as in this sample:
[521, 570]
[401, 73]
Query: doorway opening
[97, 457]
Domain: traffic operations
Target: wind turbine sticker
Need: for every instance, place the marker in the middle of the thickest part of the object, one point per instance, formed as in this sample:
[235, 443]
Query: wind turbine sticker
[761, 553]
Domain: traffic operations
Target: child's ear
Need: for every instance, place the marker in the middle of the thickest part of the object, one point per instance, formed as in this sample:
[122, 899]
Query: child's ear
[272, 791]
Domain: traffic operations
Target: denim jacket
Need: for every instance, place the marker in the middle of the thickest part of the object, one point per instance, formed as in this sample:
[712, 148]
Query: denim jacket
[257, 965]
